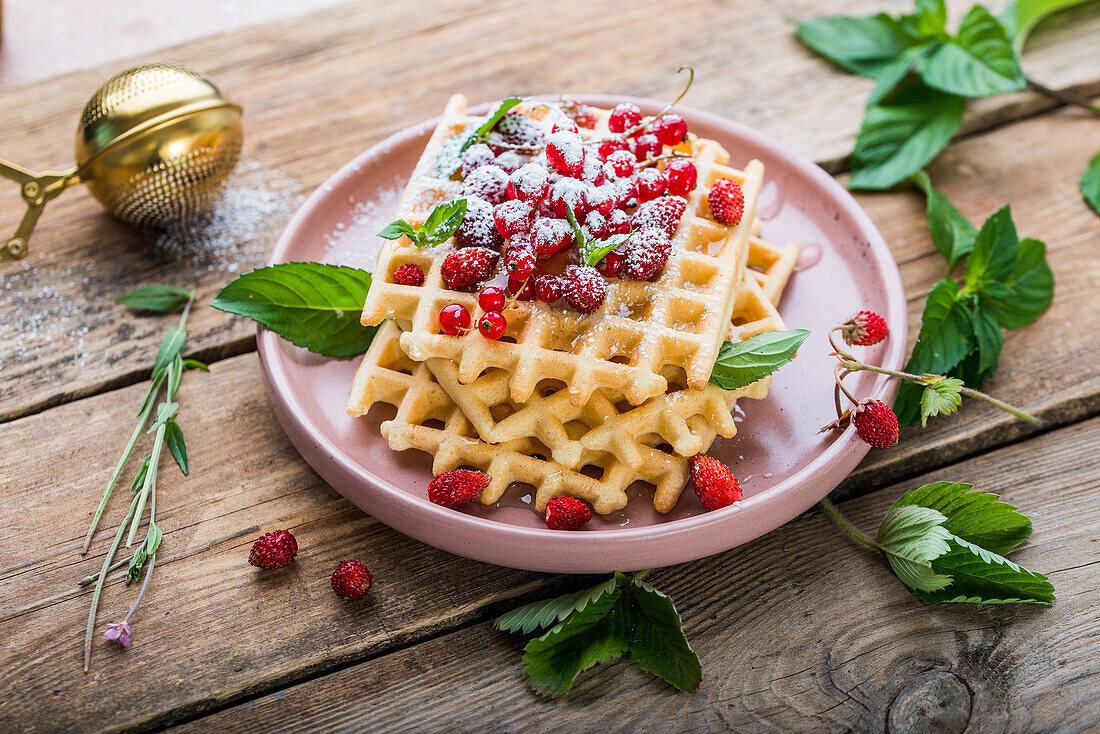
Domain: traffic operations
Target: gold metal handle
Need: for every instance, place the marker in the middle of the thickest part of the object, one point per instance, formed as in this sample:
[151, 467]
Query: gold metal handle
[36, 189]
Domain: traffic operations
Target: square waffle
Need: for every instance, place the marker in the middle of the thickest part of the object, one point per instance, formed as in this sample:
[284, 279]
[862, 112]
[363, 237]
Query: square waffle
[627, 345]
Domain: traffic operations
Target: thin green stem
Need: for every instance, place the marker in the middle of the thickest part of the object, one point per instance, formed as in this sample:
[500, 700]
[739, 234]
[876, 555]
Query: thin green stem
[148, 485]
[99, 584]
[846, 526]
[1065, 97]
[115, 566]
[144, 586]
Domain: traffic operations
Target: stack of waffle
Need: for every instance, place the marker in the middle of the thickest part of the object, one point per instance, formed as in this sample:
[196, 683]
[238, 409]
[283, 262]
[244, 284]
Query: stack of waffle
[573, 404]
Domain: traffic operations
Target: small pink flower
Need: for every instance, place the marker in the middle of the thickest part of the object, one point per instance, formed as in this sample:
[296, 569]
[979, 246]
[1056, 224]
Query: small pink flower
[120, 632]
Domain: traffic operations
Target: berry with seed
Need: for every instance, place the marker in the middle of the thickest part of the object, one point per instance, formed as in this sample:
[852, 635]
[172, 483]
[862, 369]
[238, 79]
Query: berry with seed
[714, 482]
[595, 225]
[491, 298]
[646, 146]
[663, 213]
[569, 194]
[351, 580]
[592, 172]
[454, 318]
[580, 113]
[618, 222]
[475, 157]
[671, 130]
[651, 184]
[727, 201]
[409, 274]
[467, 267]
[646, 253]
[488, 182]
[551, 235]
[273, 550]
[566, 513]
[516, 130]
[864, 329]
[478, 228]
[681, 176]
[509, 161]
[876, 423]
[565, 152]
[492, 325]
[612, 145]
[624, 116]
[584, 289]
[529, 184]
[548, 288]
[521, 290]
[611, 264]
[513, 217]
[457, 488]
[622, 163]
[519, 260]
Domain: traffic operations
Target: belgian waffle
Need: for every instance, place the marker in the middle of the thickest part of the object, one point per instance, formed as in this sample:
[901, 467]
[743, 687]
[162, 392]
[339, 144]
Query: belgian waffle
[627, 344]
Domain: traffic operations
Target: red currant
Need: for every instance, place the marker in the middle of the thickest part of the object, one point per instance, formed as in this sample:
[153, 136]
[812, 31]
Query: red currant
[519, 261]
[548, 288]
[569, 194]
[671, 130]
[492, 325]
[523, 290]
[513, 217]
[611, 265]
[491, 298]
[454, 318]
[529, 184]
[681, 176]
[622, 163]
[624, 116]
[610, 145]
[651, 184]
[618, 222]
[565, 152]
[647, 146]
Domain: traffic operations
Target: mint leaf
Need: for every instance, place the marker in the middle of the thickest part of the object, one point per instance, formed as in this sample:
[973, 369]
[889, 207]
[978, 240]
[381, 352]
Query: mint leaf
[311, 305]
[658, 644]
[757, 357]
[994, 254]
[983, 577]
[978, 62]
[1090, 183]
[173, 436]
[900, 136]
[443, 222]
[595, 250]
[542, 614]
[158, 298]
[1021, 17]
[929, 20]
[597, 633]
[990, 340]
[501, 110]
[862, 45]
[972, 515]
[1027, 290]
[578, 233]
[398, 227]
[914, 536]
[893, 73]
[942, 397]
[449, 159]
[952, 233]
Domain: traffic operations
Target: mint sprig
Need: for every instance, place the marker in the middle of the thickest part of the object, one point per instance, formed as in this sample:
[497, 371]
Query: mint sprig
[620, 616]
[593, 250]
[443, 221]
[743, 363]
[449, 159]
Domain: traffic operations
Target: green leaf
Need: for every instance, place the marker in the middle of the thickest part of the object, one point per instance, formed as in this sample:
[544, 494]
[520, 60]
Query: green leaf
[194, 364]
[443, 221]
[862, 45]
[916, 536]
[1090, 183]
[139, 477]
[972, 515]
[952, 233]
[1021, 17]
[449, 159]
[144, 551]
[942, 397]
[496, 115]
[597, 633]
[929, 20]
[757, 357]
[901, 135]
[311, 305]
[159, 298]
[978, 62]
[398, 227]
[1028, 290]
[657, 643]
[981, 576]
[165, 411]
[595, 250]
[578, 233]
[893, 73]
[989, 338]
[175, 375]
[173, 436]
[170, 347]
[549, 612]
[994, 254]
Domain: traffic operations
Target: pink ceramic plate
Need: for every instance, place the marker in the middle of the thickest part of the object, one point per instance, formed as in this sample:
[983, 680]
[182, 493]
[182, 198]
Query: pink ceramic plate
[784, 465]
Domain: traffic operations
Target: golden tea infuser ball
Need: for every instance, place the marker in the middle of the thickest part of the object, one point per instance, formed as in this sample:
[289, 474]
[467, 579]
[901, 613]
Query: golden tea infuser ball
[154, 145]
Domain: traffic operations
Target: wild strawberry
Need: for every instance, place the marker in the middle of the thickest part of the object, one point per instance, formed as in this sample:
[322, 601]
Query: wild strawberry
[409, 274]
[876, 423]
[624, 116]
[569, 194]
[509, 161]
[584, 289]
[663, 213]
[519, 260]
[548, 288]
[611, 145]
[467, 267]
[454, 318]
[565, 152]
[646, 146]
[529, 184]
[521, 290]
[727, 201]
[351, 580]
[864, 329]
[622, 163]
[646, 253]
[488, 182]
[551, 235]
[671, 130]
[457, 488]
[513, 218]
[475, 157]
[682, 176]
[714, 482]
[492, 325]
[273, 550]
[611, 264]
[566, 513]
[651, 184]
[618, 222]
[516, 130]
[491, 299]
[478, 228]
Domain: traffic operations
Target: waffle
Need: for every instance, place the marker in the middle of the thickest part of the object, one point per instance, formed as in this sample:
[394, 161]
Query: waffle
[641, 329]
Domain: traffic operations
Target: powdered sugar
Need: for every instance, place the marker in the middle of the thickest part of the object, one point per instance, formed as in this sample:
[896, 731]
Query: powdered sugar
[356, 243]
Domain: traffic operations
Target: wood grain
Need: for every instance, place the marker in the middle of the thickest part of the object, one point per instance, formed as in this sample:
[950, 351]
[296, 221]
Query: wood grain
[781, 647]
[321, 88]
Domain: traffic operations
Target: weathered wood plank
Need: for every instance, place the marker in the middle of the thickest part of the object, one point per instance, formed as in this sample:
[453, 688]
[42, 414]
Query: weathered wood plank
[321, 88]
[799, 630]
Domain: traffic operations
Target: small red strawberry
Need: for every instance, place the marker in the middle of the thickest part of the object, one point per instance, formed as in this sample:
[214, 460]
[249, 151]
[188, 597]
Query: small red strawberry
[663, 213]
[566, 513]
[409, 274]
[351, 580]
[584, 289]
[457, 488]
[876, 423]
[714, 482]
[274, 550]
[467, 267]
[727, 201]
[864, 329]
[646, 253]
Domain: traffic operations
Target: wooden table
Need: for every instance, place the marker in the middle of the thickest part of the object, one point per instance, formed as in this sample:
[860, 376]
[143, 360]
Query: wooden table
[799, 629]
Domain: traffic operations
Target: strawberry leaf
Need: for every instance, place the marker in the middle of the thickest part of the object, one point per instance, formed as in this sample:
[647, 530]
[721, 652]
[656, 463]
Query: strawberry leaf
[942, 397]
[755, 358]
[972, 515]
[994, 254]
[657, 642]
[542, 614]
[983, 577]
[1021, 17]
[913, 537]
